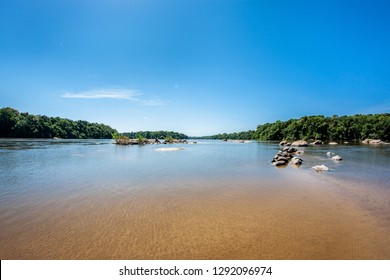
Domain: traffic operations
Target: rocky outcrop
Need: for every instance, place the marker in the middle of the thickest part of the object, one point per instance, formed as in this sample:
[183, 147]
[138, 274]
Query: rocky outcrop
[286, 155]
[284, 143]
[317, 142]
[127, 141]
[280, 163]
[176, 141]
[373, 141]
[152, 141]
[299, 143]
[124, 141]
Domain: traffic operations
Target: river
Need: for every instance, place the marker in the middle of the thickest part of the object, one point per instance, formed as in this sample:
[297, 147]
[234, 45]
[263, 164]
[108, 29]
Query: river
[91, 199]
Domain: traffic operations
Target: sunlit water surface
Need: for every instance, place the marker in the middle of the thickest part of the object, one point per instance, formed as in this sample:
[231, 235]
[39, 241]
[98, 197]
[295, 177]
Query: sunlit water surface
[91, 199]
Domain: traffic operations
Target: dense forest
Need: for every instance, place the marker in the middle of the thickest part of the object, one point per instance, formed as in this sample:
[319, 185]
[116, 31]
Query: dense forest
[335, 128]
[25, 125]
[155, 135]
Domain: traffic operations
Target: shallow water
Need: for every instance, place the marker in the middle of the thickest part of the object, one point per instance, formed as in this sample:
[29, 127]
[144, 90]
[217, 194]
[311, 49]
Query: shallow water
[90, 199]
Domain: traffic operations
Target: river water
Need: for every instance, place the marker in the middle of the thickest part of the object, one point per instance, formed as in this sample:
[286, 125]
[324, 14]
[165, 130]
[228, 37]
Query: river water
[91, 199]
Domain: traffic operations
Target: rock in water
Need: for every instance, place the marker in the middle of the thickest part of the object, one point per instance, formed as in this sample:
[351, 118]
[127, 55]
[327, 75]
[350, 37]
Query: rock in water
[291, 150]
[296, 161]
[299, 143]
[280, 163]
[338, 158]
[281, 158]
[284, 143]
[317, 142]
[373, 141]
[320, 168]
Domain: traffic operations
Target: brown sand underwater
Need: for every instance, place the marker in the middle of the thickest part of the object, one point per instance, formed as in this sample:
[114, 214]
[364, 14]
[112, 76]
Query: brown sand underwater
[304, 217]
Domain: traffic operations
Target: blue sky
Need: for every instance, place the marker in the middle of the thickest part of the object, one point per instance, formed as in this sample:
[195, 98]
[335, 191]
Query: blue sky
[197, 67]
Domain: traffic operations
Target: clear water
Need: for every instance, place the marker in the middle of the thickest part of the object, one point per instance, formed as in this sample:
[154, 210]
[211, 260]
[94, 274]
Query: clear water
[90, 199]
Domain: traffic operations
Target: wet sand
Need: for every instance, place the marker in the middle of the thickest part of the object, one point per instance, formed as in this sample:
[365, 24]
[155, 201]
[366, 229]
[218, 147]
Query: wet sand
[302, 217]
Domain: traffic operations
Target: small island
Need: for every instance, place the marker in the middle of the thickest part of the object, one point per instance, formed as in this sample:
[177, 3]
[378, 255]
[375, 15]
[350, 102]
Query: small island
[121, 139]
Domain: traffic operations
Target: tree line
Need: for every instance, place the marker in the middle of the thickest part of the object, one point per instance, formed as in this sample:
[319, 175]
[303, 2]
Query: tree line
[25, 125]
[243, 135]
[335, 128]
[155, 135]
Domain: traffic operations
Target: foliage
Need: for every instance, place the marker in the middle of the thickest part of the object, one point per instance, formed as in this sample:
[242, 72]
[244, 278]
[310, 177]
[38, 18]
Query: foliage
[169, 139]
[141, 139]
[155, 134]
[25, 125]
[243, 135]
[120, 138]
[335, 128]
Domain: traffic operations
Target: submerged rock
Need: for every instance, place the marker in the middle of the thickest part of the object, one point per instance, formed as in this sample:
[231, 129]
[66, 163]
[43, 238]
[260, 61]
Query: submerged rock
[320, 168]
[169, 149]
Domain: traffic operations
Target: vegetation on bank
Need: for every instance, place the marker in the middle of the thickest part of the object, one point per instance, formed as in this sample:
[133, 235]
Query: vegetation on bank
[155, 135]
[335, 128]
[243, 135]
[25, 125]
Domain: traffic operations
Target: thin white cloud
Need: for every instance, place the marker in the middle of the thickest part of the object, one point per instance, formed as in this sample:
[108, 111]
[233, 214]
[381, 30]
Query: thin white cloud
[111, 93]
[115, 93]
